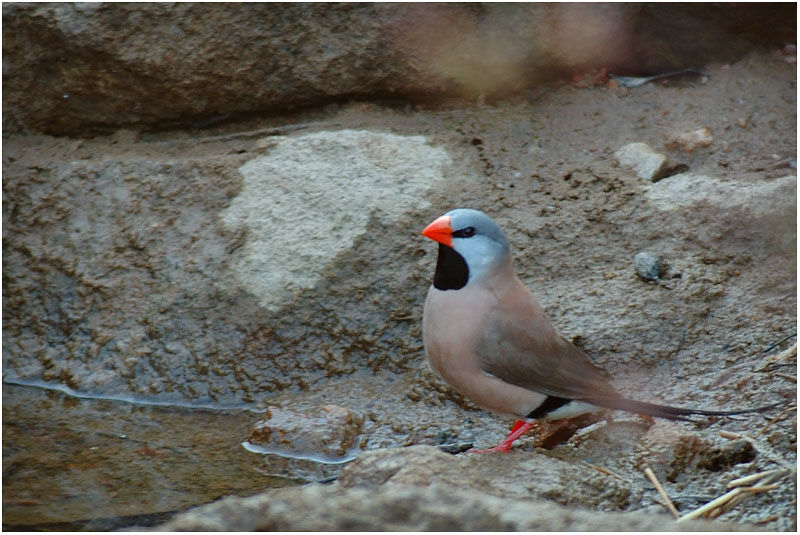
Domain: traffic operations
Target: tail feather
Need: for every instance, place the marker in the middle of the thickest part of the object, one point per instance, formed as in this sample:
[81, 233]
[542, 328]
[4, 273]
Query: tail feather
[670, 413]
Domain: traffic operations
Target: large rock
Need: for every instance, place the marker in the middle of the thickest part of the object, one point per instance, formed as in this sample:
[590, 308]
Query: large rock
[756, 215]
[434, 508]
[312, 196]
[74, 68]
[173, 279]
[421, 489]
[518, 475]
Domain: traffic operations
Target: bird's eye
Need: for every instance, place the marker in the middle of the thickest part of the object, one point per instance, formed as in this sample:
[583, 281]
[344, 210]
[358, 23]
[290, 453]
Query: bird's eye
[467, 232]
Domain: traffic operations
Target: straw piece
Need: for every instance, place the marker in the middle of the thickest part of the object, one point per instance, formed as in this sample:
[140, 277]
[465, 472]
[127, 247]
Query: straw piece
[781, 415]
[604, 470]
[710, 506]
[729, 500]
[763, 488]
[752, 478]
[652, 477]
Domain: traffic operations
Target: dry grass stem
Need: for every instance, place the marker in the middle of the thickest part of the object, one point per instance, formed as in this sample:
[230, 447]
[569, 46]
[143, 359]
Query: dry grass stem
[729, 500]
[729, 435]
[746, 480]
[712, 505]
[271, 131]
[606, 471]
[781, 415]
[260, 132]
[764, 488]
[654, 480]
[767, 519]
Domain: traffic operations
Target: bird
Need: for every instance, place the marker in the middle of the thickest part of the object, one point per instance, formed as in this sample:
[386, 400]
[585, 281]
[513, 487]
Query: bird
[487, 336]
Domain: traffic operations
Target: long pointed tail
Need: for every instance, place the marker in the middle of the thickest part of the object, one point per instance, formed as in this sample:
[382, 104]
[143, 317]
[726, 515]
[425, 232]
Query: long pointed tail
[671, 413]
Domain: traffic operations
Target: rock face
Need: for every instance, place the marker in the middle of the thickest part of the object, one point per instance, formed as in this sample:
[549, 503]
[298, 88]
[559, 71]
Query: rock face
[78, 68]
[312, 196]
[422, 489]
[201, 300]
[762, 213]
[516, 476]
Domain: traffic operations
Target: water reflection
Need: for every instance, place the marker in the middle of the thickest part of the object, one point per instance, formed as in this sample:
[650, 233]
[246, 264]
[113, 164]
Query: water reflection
[78, 463]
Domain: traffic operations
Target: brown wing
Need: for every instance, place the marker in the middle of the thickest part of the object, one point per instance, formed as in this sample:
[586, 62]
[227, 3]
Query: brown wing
[520, 346]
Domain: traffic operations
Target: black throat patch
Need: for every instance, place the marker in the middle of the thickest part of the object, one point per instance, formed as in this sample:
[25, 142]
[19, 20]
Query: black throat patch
[452, 272]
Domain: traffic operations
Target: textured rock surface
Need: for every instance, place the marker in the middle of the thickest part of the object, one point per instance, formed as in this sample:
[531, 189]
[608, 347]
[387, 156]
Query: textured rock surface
[520, 475]
[646, 163]
[418, 489]
[74, 68]
[330, 434]
[311, 196]
[749, 197]
[760, 213]
[175, 290]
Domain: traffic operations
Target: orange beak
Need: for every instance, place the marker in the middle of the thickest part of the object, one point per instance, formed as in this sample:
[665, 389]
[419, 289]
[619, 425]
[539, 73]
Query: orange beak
[440, 231]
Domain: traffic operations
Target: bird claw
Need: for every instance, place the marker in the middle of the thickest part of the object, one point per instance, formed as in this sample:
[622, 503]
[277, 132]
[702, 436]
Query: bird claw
[520, 428]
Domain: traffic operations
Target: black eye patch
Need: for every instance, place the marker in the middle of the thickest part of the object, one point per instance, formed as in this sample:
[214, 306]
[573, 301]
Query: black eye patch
[467, 232]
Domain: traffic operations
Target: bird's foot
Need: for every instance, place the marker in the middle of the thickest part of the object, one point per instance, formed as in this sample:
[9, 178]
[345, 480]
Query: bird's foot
[520, 428]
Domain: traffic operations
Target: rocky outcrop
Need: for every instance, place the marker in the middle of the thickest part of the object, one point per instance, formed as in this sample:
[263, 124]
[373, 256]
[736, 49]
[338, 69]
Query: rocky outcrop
[78, 68]
[173, 279]
[422, 489]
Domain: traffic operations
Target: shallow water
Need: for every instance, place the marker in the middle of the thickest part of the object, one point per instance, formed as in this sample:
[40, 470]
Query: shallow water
[74, 463]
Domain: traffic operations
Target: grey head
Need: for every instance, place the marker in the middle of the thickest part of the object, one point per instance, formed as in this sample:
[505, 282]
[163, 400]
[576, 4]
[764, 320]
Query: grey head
[479, 241]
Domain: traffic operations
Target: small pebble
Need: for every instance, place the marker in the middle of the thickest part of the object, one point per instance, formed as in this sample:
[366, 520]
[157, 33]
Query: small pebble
[648, 266]
[646, 163]
[455, 448]
[690, 141]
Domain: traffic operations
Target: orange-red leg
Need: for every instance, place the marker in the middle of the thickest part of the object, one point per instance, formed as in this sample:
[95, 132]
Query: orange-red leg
[520, 428]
